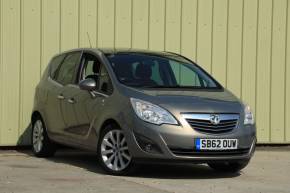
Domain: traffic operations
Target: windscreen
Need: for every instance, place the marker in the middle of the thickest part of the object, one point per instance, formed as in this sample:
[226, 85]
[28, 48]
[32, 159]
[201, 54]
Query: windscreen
[159, 71]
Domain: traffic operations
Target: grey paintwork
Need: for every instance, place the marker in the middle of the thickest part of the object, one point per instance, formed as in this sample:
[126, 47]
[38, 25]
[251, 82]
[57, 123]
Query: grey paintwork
[78, 123]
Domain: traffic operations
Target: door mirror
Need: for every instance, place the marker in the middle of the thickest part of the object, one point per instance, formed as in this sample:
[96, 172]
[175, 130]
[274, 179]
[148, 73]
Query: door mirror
[88, 84]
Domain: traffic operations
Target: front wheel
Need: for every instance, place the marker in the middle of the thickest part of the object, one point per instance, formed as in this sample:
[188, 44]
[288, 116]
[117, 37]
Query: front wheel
[113, 153]
[230, 166]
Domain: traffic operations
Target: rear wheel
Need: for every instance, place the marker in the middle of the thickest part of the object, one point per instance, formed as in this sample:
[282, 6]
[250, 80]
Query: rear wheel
[41, 144]
[113, 152]
[230, 166]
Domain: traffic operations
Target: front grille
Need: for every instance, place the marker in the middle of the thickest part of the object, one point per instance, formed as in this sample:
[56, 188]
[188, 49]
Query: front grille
[193, 152]
[203, 123]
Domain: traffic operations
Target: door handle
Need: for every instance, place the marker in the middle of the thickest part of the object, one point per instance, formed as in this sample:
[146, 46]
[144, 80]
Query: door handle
[71, 100]
[60, 97]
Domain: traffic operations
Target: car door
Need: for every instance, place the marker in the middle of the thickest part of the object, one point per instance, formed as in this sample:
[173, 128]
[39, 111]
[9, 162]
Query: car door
[65, 76]
[84, 105]
[74, 107]
[53, 116]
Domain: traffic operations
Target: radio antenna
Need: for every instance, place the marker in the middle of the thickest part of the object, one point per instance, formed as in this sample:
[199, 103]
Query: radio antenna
[89, 39]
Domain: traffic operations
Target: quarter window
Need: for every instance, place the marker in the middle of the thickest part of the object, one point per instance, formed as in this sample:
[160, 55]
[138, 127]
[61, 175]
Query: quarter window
[91, 67]
[66, 72]
[54, 65]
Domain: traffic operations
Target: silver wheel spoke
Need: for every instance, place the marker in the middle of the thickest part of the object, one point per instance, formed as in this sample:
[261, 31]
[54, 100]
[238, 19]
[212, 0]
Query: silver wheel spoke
[124, 148]
[107, 143]
[121, 160]
[115, 167]
[123, 141]
[114, 150]
[37, 137]
[105, 152]
[112, 138]
[35, 142]
[126, 156]
[109, 161]
[118, 138]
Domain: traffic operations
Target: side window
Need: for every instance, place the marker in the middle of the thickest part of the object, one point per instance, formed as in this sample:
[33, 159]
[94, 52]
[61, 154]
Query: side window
[91, 67]
[66, 72]
[54, 65]
[105, 84]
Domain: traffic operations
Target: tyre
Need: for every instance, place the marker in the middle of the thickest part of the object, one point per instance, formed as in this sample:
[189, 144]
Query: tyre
[41, 144]
[113, 153]
[232, 167]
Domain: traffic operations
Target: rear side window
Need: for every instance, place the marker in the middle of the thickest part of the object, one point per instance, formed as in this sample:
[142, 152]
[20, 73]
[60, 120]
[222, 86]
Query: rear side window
[66, 72]
[54, 64]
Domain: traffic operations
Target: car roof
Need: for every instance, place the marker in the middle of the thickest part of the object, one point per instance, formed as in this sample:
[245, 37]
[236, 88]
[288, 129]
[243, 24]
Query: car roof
[107, 51]
[129, 50]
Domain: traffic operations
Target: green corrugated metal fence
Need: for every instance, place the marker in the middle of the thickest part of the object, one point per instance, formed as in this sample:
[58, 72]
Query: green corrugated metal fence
[245, 44]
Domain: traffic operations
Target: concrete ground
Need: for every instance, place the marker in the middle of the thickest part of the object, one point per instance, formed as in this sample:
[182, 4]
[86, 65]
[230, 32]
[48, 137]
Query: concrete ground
[77, 172]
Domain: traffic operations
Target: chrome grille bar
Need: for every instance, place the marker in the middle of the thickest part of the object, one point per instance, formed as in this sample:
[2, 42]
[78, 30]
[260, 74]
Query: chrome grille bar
[203, 122]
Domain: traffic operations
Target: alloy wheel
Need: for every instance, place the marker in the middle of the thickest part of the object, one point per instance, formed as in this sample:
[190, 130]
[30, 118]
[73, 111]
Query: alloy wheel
[114, 150]
[37, 137]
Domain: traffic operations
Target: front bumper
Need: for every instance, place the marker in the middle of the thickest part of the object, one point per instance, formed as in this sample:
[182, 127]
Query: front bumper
[176, 142]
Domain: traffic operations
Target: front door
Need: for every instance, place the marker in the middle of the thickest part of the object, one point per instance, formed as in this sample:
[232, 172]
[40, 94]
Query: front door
[81, 107]
[74, 108]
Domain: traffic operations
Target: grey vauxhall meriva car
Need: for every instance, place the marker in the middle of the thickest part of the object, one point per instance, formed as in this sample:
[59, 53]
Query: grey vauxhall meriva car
[133, 106]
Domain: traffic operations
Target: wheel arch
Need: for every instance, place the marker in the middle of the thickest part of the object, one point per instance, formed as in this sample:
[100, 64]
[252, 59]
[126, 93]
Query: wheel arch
[108, 122]
[35, 114]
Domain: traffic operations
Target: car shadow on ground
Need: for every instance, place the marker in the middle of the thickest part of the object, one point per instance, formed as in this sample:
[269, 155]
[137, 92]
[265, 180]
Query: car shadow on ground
[88, 161]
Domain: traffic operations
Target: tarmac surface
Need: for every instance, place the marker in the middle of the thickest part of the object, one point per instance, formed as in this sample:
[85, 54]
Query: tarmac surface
[72, 171]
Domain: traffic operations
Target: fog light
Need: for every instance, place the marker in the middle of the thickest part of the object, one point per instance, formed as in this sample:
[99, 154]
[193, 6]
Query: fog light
[147, 144]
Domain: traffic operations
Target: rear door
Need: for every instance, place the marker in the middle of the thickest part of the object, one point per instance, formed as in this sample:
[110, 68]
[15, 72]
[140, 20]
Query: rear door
[65, 76]
[53, 115]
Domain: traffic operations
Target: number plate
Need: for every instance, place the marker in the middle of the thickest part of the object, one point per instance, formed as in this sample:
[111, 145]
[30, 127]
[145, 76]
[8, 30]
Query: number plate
[216, 144]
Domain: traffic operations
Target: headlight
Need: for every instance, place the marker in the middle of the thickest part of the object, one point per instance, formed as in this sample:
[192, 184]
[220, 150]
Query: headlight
[152, 113]
[249, 117]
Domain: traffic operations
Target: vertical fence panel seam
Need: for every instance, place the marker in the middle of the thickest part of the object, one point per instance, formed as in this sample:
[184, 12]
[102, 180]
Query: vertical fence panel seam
[196, 35]
[271, 61]
[165, 12]
[79, 21]
[227, 42]
[242, 49]
[20, 89]
[60, 22]
[132, 24]
[40, 37]
[212, 25]
[97, 22]
[285, 71]
[257, 49]
[180, 31]
[148, 23]
[115, 15]
[1, 71]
